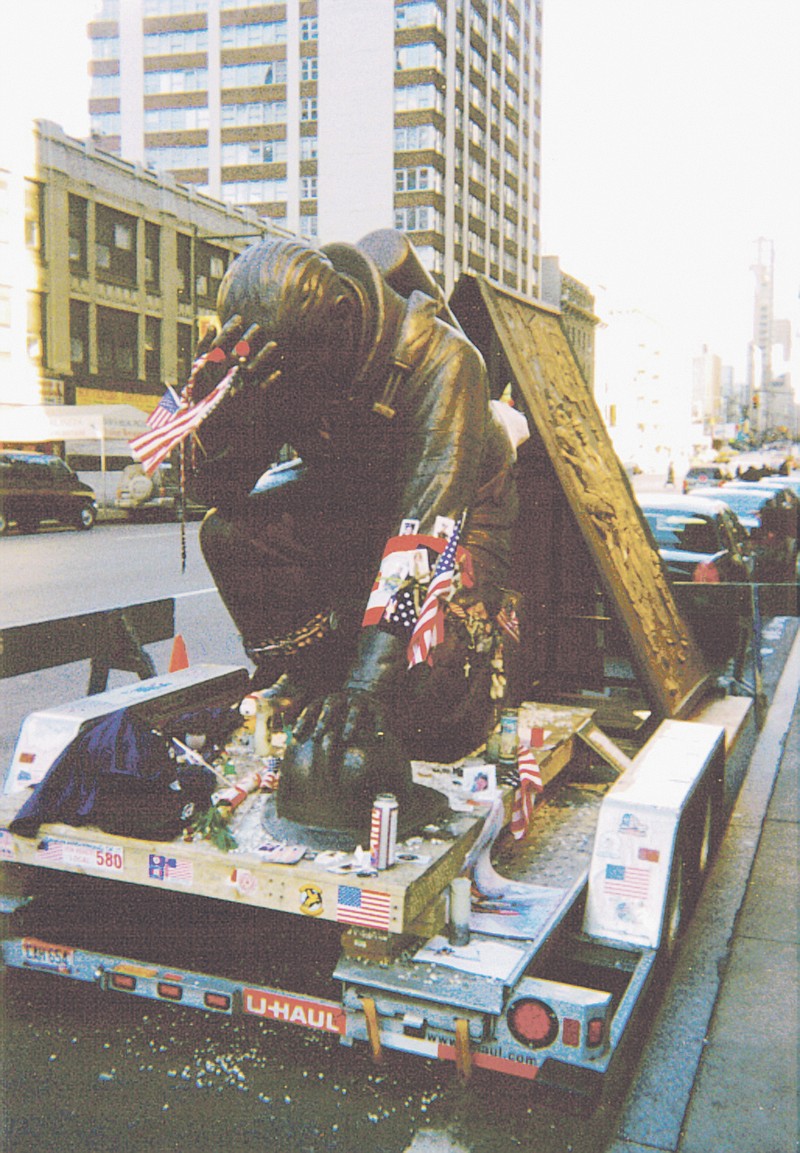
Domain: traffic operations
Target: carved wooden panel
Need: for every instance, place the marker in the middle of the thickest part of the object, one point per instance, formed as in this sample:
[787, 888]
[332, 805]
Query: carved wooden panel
[564, 417]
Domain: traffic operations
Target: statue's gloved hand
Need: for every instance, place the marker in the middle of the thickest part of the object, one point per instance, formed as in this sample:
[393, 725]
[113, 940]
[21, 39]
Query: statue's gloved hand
[232, 346]
[341, 756]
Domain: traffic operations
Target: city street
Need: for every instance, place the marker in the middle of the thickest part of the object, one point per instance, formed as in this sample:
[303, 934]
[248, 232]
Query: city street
[81, 1073]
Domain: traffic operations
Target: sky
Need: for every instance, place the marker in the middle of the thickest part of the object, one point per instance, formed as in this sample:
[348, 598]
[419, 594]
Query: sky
[670, 144]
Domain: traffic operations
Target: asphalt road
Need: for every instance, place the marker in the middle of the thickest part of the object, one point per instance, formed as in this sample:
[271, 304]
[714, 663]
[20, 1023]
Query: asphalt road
[88, 1074]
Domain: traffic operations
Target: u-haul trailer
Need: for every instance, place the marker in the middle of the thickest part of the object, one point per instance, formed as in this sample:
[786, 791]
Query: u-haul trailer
[613, 860]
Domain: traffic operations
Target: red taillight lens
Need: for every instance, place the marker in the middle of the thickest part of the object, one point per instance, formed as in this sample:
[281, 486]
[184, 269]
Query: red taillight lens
[169, 992]
[533, 1023]
[571, 1032]
[595, 1032]
[217, 1001]
[123, 981]
[706, 573]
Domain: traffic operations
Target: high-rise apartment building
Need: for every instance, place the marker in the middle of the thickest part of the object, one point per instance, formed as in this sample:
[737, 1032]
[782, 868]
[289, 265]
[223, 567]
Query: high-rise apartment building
[331, 118]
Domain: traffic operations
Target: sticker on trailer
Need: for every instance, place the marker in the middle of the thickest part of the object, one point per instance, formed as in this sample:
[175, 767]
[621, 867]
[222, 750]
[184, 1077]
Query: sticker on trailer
[6, 845]
[105, 858]
[366, 907]
[169, 869]
[311, 901]
[42, 955]
[322, 1015]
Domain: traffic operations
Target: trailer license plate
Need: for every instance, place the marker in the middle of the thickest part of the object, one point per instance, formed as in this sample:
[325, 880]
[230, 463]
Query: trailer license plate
[42, 955]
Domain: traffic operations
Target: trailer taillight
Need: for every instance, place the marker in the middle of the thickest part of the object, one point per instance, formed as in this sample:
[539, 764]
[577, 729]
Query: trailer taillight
[217, 1001]
[595, 1032]
[571, 1032]
[123, 981]
[532, 1023]
[169, 992]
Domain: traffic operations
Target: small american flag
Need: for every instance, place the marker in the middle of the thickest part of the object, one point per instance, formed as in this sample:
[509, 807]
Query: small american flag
[163, 868]
[363, 907]
[508, 621]
[154, 446]
[49, 851]
[530, 782]
[401, 612]
[165, 409]
[429, 629]
[627, 881]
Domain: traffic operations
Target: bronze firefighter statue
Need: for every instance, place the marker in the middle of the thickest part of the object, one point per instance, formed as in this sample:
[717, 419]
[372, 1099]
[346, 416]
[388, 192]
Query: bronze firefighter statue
[397, 481]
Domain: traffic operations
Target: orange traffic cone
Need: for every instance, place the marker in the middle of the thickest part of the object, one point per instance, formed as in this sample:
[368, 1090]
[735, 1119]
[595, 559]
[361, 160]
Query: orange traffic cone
[179, 658]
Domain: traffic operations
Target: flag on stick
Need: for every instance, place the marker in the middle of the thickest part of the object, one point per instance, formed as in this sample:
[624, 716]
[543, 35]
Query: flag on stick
[530, 782]
[165, 409]
[429, 629]
[152, 447]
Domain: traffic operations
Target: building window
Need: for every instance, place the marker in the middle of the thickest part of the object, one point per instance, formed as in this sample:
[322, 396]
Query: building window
[254, 152]
[37, 326]
[175, 80]
[117, 344]
[185, 354]
[152, 256]
[105, 123]
[183, 270]
[210, 265]
[430, 258]
[105, 87]
[254, 75]
[421, 218]
[268, 112]
[152, 348]
[175, 43]
[309, 227]
[34, 218]
[309, 68]
[177, 156]
[417, 180]
[174, 7]
[414, 137]
[254, 191]
[254, 35]
[414, 97]
[418, 56]
[105, 48]
[308, 188]
[421, 15]
[308, 109]
[115, 245]
[175, 119]
[308, 28]
[78, 260]
[308, 147]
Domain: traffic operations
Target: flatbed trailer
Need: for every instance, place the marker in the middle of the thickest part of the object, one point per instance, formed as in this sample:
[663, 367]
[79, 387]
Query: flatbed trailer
[564, 937]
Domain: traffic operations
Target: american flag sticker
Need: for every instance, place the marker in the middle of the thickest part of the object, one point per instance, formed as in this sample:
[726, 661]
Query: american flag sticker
[163, 868]
[627, 881]
[49, 852]
[363, 907]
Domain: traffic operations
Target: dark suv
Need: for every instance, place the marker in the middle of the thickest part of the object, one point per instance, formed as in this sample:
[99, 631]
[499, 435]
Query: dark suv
[35, 487]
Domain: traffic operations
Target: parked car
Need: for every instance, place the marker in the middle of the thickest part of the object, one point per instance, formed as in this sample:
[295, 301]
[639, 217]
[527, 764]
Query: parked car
[708, 558]
[705, 475]
[771, 516]
[37, 487]
[141, 495]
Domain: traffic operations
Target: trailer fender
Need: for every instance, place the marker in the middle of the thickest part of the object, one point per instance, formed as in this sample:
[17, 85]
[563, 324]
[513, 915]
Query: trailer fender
[657, 830]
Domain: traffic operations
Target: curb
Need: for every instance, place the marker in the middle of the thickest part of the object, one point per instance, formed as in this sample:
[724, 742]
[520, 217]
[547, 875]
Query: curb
[654, 1112]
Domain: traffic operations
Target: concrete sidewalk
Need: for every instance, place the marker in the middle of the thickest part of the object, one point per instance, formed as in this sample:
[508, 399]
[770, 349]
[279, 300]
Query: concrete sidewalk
[719, 1073]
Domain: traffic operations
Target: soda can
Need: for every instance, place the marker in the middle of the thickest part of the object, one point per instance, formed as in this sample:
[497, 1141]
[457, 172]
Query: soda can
[508, 736]
[383, 831]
